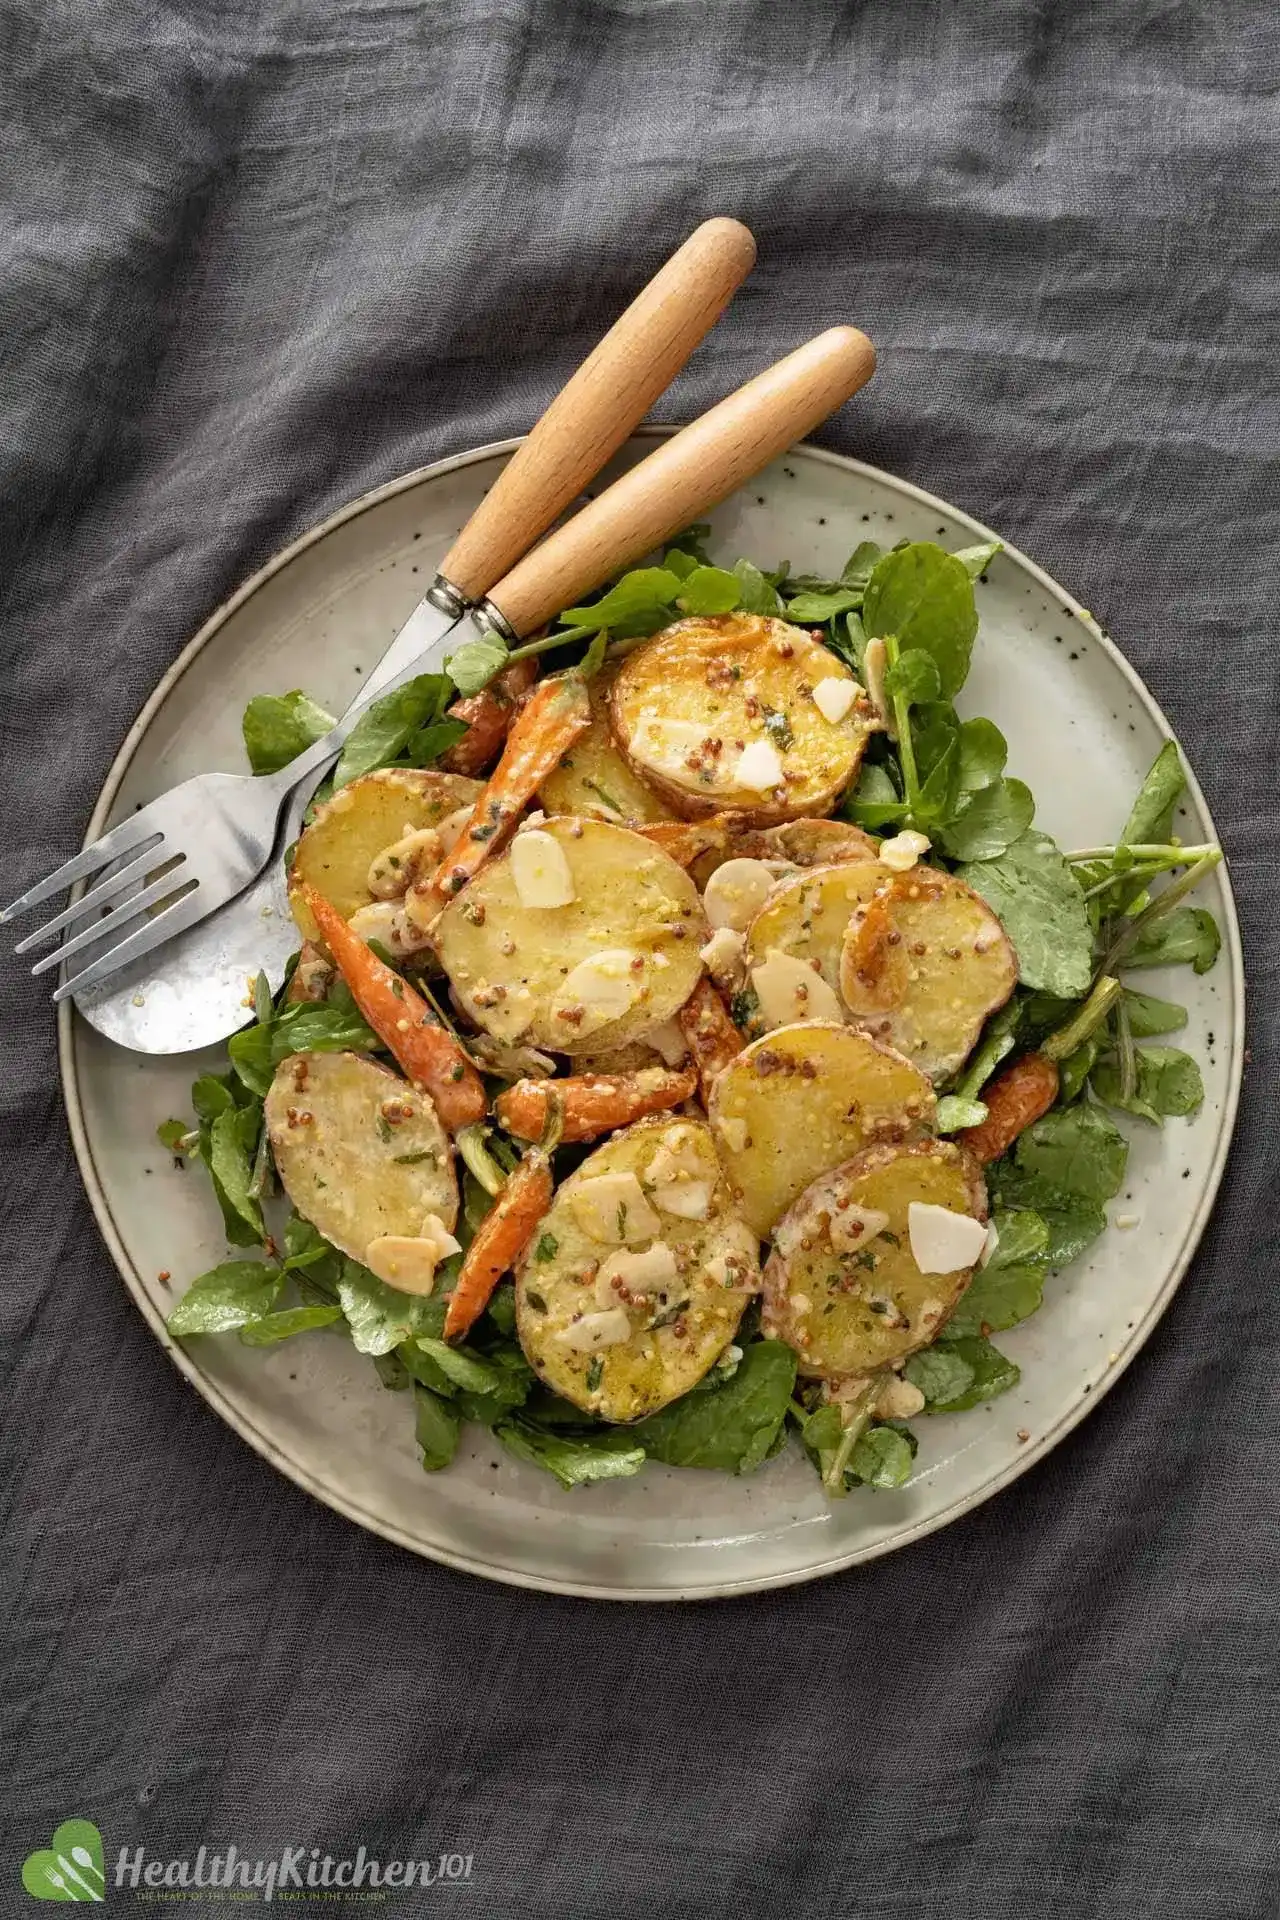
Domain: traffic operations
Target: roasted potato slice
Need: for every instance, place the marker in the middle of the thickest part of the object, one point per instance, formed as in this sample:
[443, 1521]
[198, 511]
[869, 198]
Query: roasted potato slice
[360, 1152]
[622, 1351]
[620, 958]
[807, 916]
[718, 714]
[842, 1285]
[336, 851]
[924, 965]
[797, 843]
[804, 1099]
[594, 780]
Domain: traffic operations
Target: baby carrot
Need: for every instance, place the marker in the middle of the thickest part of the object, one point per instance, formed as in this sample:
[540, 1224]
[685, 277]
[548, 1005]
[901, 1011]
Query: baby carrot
[403, 1021]
[1018, 1096]
[594, 1103]
[506, 1229]
[488, 715]
[713, 1039]
[545, 728]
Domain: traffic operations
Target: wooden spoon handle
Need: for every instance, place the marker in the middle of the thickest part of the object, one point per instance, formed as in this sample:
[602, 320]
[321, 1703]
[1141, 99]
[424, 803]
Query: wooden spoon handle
[610, 393]
[686, 475]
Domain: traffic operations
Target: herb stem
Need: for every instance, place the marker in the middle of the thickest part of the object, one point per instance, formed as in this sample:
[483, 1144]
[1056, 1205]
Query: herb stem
[1128, 1055]
[1170, 854]
[1087, 1018]
[547, 641]
[856, 1417]
[1129, 935]
[470, 1142]
[902, 722]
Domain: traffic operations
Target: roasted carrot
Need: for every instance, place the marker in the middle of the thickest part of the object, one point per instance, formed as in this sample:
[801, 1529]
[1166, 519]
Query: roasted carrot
[1017, 1097]
[488, 715]
[506, 1229]
[401, 1018]
[713, 1039]
[877, 953]
[594, 1103]
[687, 840]
[545, 728]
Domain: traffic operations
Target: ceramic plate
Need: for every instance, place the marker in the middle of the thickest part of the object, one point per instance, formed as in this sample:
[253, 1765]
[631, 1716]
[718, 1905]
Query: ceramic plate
[1082, 729]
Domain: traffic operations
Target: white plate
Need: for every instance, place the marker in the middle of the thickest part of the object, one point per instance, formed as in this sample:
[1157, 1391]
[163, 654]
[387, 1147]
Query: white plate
[1082, 730]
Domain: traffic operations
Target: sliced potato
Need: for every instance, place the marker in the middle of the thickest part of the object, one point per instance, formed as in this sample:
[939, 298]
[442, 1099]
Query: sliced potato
[924, 965]
[336, 851]
[853, 1302]
[675, 1326]
[619, 959]
[361, 1153]
[717, 714]
[807, 916]
[797, 843]
[594, 780]
[804, 1099]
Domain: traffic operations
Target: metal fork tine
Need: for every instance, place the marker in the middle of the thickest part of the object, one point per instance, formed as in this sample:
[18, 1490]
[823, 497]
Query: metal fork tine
[126, 876]
[130, 834]
[112, 923]
[175, 919]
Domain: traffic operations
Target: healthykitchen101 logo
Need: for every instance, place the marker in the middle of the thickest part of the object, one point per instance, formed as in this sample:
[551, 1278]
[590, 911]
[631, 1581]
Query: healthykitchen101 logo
[70, 1867]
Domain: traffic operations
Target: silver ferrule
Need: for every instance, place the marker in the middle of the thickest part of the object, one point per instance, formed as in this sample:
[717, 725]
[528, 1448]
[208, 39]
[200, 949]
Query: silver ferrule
[490, 619]
[443, 594]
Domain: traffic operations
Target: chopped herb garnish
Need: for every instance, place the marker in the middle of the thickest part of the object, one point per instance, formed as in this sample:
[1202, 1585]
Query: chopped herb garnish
[892, 1238]
[384, 1127]
[778, 728]
[397, 987]
[671, 1313]
[535, 1300]
[864, 1258]
[622, 1219]
[744, 1006]
[604, 795]
[547, 1249]
[595, 1374]
[412, 1159]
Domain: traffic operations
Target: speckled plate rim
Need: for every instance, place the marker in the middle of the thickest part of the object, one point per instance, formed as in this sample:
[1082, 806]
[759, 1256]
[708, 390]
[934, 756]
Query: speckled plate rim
[303, 1476]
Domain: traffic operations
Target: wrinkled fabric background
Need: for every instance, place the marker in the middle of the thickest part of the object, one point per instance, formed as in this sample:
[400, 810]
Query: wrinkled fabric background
[259, 255]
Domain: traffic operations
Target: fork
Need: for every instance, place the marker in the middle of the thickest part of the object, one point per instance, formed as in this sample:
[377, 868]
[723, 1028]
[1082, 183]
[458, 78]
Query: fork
[188, 852]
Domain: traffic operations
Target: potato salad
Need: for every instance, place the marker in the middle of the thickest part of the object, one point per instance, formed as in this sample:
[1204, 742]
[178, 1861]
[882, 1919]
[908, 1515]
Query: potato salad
[693, 1047]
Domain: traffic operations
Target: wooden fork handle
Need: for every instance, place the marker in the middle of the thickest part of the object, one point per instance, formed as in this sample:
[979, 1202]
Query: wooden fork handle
[610, 393]
[686, 475]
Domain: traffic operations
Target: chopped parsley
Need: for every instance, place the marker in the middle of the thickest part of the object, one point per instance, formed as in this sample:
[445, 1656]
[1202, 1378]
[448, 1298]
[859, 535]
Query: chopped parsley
[412, 1159]
[384, 1128]
[547, 1249]
[778, 728]
[535, 1300]
[595, 1374]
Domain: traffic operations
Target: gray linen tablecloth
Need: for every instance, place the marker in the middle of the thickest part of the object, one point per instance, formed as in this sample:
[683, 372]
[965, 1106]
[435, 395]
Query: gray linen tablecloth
[259, 255]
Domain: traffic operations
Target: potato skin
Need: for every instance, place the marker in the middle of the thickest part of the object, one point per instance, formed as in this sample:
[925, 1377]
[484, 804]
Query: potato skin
[925, 967]
[804, 1099]
[819, 1299]
[801, 843]
[335, 852]
[506, 962]
[738, 678]
[655, 1366]
[340, 1125]
[594, 773]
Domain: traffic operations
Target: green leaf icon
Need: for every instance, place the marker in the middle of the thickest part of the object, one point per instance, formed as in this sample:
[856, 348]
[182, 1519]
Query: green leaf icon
[70, 1867]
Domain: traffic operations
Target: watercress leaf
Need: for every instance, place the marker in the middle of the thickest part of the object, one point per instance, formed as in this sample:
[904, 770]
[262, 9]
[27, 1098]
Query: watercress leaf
[383, 731]
[941, 788]
[226, 1297]
[976, 560]
[1150, 821]
[391, 1372]
[913, 677]
[1169, 1082]
[1074, 1071]
[935, 733]
[574, 1459]
[462, 1367]
[473, 666]
[436, 1427]
[171, 1134]
[1074, 1152]
[679, 563]
[733, 1427]
[594, 657]
[755, 593]
[925, 597]
[273, 1327]
[694, 540]
[211, 1095]
[996, 1298]
[231, 1168]
[983, 752]
[852, 644]
[1022, 1235]
[993, 1373]
[708, 590]
[822, 1430]
[1185, 935]
[250, 1054]
[989, 822]
[861, 564]
[954, 1112]
[428, 743]
[882, 1457]
[1148, 1016]
[643, 591]
[815, 609]
[277, 727]
[874, 802]
[1072, 1228]
[501, 1310]
[304, 1248]
[939, 1373]
[378, 1316]
[1033, 892]
[998, 1038]
[310, 1027]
